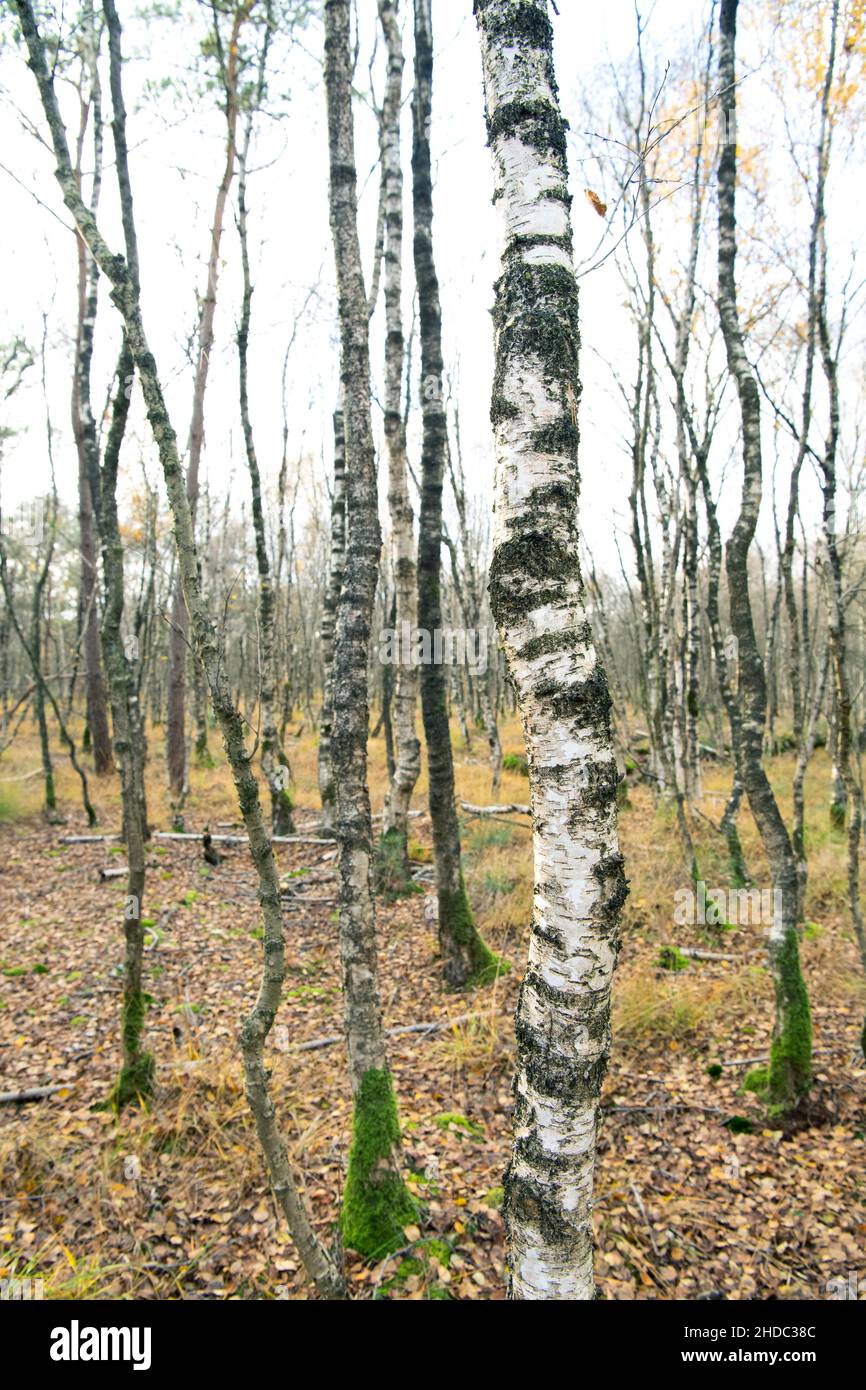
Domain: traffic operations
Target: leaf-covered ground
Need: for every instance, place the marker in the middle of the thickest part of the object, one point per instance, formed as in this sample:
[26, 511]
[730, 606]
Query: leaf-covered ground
[172, 1201]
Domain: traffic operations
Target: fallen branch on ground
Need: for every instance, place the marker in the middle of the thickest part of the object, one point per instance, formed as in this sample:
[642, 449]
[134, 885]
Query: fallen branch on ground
[34, 1093]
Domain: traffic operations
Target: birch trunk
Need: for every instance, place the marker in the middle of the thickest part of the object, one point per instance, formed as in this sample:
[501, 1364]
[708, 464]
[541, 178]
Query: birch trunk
[327, 785]
[274, 764]
[537, 597]
[176, 748]
[407, 767]
[466, 960]
[376, 1204]
[789, 1071]
[84, 434]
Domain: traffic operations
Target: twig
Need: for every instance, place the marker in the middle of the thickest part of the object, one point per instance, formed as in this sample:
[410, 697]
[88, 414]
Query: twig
[642, 1209]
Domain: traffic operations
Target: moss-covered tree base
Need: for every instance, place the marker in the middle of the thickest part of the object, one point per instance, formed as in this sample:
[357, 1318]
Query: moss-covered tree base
[282, 813]
[790, 1071]
[392, 874]
[203, 756]
[134, 1085]
[470, 961]
[837, 815]
[376, 1203]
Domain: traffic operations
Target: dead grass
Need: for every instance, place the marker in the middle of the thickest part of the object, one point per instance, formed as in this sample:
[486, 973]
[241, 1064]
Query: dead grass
[199, 1219]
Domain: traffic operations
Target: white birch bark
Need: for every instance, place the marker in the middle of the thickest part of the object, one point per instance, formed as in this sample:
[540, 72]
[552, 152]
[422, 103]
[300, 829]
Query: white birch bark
[407, 745]
[537, 597]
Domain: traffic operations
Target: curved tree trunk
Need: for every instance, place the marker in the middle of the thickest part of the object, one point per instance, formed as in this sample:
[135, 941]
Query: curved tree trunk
[789, 1072]
[537, 596]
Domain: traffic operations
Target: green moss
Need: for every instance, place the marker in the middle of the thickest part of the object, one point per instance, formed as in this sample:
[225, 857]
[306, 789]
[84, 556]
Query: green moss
[135, 1083]
[561, 437]
[756, 1081]
[791, 1049]
[392, 877]
[516, 762]
[715, 1070]
[736, 859]
[132, 1022]
[282, 809]
[536, 122]
[376, 1203]
[455, 915]
[672, 958]
[448, 1120]
[739, 1124]
[439, 1249]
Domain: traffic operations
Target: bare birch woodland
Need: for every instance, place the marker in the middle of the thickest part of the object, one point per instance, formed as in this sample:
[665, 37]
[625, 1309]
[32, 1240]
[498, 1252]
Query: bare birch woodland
[432, 650]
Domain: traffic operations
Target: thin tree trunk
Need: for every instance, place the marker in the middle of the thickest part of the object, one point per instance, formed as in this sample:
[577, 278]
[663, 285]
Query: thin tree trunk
[274, 764]
[466, 960]
[376, 1204]
[327, 785]
[176, 746]
[789, 1072]
[405, 692]
[83, 423]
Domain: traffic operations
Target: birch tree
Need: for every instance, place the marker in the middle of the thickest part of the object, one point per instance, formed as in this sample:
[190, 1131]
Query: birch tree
[466, 959]
[376, 1203]
[789, 1072]
[538, 601]
[228, 63]
[274, 764]
[83, 423]
[327, 786]
[405, 696]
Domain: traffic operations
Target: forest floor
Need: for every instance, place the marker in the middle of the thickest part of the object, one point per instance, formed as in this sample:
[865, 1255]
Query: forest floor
[698, 1193]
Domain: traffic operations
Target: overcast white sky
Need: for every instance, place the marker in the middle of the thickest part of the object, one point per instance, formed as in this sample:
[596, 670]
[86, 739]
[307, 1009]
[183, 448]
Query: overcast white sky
[177, 157]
